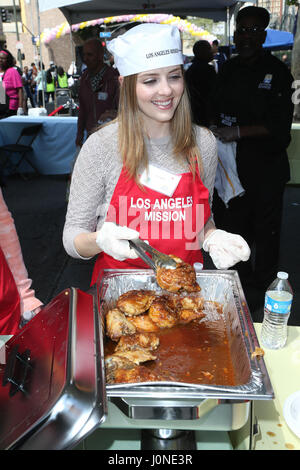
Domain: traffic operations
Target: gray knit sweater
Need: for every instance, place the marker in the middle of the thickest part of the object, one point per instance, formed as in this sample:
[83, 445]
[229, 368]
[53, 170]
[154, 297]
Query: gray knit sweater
[98, 168]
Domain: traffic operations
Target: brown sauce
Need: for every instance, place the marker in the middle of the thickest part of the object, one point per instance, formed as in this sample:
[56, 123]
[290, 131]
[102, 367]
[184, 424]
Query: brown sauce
[193, 353]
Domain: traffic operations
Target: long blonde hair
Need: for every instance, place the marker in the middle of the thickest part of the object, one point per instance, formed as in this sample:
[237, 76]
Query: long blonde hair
[131, 135]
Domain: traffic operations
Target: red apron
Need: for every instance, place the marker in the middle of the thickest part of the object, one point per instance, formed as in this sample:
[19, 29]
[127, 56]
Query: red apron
[10, 313]
[170, 224]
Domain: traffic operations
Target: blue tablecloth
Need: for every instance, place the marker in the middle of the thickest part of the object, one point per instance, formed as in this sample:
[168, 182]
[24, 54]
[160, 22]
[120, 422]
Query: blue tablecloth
[54, 148]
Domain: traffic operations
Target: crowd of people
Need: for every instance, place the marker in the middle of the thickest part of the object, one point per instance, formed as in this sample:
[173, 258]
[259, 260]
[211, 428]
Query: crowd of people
[23, 88]
[38, 80]
[151, 130]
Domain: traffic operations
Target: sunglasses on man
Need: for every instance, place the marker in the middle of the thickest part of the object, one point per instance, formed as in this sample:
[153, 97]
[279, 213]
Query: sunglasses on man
[249, 30]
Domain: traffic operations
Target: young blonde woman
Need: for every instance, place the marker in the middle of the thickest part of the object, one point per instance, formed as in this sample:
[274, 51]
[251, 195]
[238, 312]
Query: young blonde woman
[150, 173]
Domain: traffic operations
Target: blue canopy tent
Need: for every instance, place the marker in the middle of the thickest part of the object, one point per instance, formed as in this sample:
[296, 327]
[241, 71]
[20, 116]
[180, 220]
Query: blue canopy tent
[278, 40]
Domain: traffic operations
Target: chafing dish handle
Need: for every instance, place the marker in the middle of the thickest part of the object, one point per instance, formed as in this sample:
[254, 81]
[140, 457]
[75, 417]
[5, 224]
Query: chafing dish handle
[16, 371]
[136, 409]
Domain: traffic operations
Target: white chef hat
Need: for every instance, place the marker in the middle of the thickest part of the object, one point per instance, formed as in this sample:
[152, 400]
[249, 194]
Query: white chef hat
[145, 47]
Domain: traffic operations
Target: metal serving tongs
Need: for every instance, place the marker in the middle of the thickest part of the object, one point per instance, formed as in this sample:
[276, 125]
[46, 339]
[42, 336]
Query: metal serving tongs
[158, 259]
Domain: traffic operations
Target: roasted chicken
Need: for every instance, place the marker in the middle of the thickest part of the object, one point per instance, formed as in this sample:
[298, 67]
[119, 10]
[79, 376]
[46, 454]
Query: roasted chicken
[113, 363]
[183, 277]
[135, 302]
[143, 323]
[191, 301]
[147, 341]
[137, 356]
[188, 315]
[129, 353]
[163, 313]
[135, 324]
[118, 325]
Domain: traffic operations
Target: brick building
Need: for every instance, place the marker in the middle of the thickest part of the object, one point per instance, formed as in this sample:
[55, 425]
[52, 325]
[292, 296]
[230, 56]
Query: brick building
[61, 51]
[275, 7]
[282, 15]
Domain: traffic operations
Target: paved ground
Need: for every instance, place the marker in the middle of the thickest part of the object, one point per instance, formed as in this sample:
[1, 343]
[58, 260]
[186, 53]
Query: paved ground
[39, 206]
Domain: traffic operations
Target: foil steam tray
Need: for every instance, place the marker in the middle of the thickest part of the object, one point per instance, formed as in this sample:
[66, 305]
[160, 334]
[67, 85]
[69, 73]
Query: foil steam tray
[220, 286]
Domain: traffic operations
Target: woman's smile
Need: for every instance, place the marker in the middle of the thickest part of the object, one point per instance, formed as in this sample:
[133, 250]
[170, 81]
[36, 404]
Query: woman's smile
[163, 104]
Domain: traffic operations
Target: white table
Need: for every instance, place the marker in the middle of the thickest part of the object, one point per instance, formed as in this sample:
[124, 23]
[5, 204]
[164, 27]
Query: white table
[283, 366]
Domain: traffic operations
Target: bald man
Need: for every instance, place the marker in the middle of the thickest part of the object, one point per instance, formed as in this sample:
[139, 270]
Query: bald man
[98, 92]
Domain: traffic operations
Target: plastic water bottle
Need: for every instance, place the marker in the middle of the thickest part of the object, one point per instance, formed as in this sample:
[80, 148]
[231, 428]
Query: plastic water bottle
[278, 301]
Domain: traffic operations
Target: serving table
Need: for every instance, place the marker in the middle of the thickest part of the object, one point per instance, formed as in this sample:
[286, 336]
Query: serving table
[266, 420]
[273, 433]
[54, 148]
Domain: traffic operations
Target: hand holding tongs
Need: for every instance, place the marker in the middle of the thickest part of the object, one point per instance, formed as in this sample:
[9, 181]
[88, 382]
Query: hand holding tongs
[158, 259]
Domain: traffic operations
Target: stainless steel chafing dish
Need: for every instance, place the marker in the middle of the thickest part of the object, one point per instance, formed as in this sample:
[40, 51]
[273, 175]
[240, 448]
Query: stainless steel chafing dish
[167, 408]
[223, 287]
[52, 387]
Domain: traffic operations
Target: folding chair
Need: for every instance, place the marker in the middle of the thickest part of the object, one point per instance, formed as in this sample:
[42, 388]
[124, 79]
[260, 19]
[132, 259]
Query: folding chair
[22, 146]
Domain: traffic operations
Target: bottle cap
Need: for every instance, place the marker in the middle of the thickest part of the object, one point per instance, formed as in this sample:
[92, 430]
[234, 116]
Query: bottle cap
[198, 266]
[282, 275]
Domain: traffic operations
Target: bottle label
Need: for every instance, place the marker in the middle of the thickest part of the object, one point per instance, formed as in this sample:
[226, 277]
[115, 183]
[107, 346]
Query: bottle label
[278, 306]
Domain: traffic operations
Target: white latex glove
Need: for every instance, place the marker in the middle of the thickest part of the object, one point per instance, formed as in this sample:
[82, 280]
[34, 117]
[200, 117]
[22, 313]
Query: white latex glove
[26, 317]
[113, 240]
[226, 249]
[20, 112]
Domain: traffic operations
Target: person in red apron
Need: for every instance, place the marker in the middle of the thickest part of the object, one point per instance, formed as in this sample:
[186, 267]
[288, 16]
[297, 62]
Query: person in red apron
[170, 210]
[10, 310]
[14, 273]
